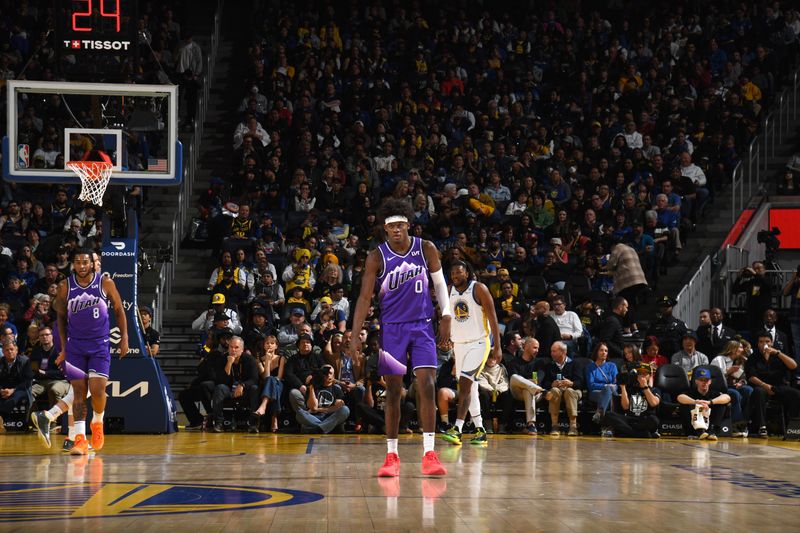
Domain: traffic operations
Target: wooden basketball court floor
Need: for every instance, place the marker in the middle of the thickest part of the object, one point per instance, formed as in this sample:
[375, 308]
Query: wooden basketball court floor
[238, 482]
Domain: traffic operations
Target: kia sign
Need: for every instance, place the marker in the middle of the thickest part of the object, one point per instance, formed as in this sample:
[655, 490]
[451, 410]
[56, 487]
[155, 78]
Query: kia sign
[138, 392]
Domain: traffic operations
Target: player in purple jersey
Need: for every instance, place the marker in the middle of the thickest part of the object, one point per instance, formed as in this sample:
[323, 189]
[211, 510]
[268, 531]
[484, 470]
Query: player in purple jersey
[399, 270]
[82, 307]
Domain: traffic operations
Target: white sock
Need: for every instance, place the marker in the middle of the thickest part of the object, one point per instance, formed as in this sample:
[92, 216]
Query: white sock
[97, 417]
[71, 435]
[459, 424]
[478, 421]
[80, 427]
[427, 442]
[391, 446]
[53, 413]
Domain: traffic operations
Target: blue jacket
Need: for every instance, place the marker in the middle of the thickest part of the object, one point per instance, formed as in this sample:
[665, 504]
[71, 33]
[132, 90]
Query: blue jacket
[598, 377]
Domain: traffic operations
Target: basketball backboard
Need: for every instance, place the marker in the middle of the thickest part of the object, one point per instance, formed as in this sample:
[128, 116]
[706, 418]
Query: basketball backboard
[52, 123]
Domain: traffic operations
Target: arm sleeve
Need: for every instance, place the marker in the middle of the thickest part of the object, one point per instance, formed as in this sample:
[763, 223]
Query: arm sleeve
[440, 287]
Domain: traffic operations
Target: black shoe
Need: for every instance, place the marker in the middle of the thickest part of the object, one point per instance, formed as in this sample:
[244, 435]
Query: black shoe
[193, 427]
[217, 428]
[252, 429]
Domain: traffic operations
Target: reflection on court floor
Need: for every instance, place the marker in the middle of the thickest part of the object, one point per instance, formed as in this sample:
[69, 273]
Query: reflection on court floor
[327, 483]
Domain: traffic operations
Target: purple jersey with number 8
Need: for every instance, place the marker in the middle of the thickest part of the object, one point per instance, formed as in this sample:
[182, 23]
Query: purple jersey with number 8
[87, 343]
[87, 310]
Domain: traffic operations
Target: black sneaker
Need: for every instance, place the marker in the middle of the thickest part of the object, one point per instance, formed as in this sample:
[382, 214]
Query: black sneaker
[762, 432]
[217, 428]
[42, 425]
[68, 444]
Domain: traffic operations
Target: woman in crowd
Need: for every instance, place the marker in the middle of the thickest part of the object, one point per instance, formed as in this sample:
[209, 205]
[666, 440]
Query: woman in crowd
[270, 369]
[601, 381]
[731, 361]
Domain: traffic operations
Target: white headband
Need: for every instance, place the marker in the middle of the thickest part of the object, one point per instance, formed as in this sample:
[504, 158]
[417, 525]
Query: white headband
[395, 218]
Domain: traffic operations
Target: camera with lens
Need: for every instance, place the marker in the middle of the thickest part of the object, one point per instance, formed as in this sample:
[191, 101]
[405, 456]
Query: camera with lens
[769, 238]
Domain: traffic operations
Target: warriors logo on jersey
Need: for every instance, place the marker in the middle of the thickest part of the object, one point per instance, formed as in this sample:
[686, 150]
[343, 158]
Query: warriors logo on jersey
[461, 310]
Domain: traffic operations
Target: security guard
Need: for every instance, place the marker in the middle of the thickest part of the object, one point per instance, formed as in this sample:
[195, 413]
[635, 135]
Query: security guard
[668, 329]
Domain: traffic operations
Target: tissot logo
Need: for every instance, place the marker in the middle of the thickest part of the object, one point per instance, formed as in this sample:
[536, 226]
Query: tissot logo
[84, 44]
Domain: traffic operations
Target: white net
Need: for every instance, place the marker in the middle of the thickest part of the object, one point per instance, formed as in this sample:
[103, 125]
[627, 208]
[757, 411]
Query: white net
[94, 177]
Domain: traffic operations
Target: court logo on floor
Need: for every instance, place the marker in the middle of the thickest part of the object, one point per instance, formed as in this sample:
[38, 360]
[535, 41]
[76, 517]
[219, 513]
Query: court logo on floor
[28, 502]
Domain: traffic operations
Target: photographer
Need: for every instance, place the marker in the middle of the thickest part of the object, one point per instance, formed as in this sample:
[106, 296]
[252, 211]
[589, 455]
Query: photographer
[639, 402]
[754, 283]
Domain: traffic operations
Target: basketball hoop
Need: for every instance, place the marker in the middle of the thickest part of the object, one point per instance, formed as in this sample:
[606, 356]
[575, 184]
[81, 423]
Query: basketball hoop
[94, 176]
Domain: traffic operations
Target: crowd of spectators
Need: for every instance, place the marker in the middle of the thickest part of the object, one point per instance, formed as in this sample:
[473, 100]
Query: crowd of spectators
[41, 224]
[565, 154]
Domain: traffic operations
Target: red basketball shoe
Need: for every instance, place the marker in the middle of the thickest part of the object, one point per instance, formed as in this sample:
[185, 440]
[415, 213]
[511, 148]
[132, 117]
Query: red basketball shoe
[391, 467]
[431, 465]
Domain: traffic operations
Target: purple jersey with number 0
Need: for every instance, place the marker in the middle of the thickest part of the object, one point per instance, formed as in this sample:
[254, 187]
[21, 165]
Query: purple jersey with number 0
[87, 310]
[403, 285]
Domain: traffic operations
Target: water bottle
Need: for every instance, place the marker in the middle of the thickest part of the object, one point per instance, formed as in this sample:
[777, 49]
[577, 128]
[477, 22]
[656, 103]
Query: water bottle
[535, 377]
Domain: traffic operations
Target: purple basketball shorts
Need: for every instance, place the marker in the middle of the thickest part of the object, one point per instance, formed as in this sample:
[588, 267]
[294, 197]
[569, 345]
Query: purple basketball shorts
[404, 339]
[92, 356]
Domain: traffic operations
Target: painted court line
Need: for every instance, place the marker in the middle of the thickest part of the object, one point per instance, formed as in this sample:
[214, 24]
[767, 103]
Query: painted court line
[777, 487]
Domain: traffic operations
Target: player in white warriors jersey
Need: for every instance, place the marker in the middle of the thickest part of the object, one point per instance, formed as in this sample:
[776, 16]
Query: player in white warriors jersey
[473, 320]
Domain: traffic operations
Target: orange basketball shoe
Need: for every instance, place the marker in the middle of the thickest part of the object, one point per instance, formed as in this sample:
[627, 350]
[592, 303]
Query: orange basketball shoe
[81, 446]
[97, 436]
[431, 465]
[391, 467]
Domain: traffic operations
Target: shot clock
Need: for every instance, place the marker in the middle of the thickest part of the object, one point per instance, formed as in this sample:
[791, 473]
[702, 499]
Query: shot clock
[98, 36]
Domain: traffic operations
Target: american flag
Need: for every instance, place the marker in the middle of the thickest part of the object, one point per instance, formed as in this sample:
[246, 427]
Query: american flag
[156, 165]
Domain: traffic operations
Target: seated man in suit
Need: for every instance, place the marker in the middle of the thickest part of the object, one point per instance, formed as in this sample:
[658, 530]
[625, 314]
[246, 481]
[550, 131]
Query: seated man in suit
[780, 341]
[563, 382]
[16, 377]
[712, 338]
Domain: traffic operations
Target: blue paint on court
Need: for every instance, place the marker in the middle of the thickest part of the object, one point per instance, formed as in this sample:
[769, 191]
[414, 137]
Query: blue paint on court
[310, 446]
[776, 487]
[177, 497]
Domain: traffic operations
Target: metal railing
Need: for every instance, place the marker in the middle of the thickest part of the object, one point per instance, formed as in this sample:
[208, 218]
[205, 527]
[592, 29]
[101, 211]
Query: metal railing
[191, 154]
[695, 295]
[752, 171]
